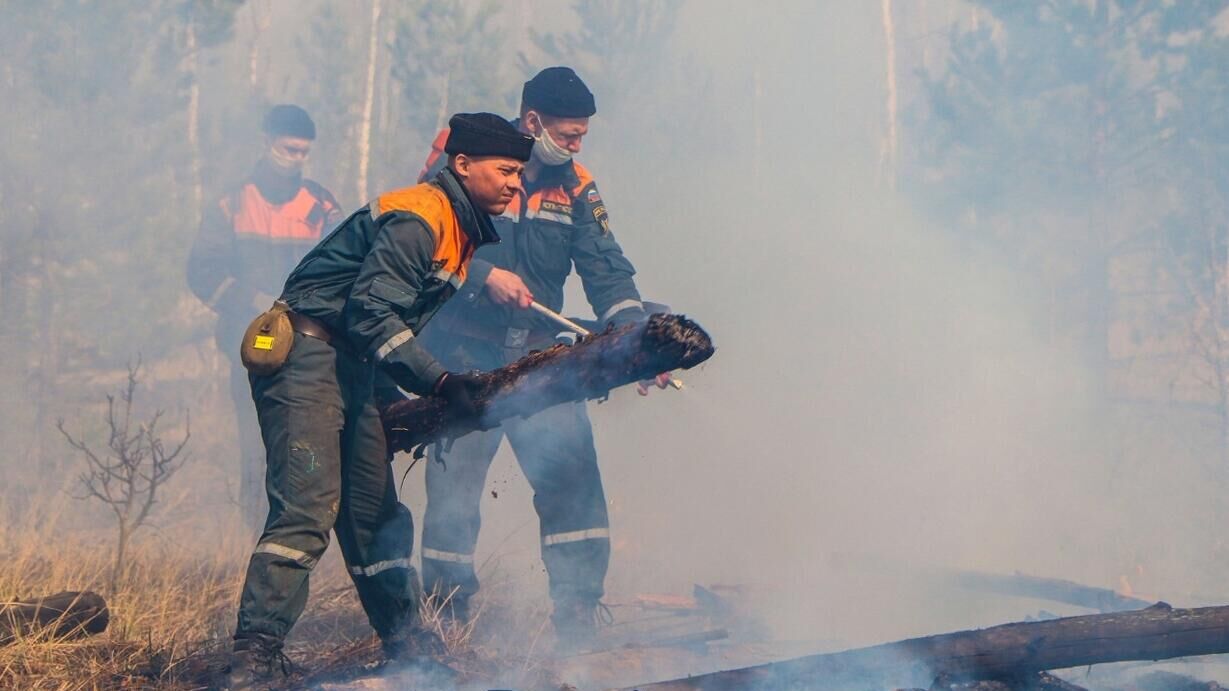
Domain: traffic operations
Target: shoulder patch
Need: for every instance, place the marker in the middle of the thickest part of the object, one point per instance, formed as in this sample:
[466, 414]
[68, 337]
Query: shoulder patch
[593, 196]
[599, 215]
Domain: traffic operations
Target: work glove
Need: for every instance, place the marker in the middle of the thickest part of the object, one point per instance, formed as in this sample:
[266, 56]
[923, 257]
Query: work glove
[459, 391]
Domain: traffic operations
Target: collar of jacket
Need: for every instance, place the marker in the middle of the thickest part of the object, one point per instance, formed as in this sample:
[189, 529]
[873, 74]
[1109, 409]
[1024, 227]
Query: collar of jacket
[563, 175]
[477, 225]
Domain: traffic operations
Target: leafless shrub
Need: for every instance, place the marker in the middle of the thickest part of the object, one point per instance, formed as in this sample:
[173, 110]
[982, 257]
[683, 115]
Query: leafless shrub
[127, 475]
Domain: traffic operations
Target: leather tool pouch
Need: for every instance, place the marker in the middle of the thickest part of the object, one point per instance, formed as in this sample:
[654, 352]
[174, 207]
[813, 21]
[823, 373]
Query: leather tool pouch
[267, 341]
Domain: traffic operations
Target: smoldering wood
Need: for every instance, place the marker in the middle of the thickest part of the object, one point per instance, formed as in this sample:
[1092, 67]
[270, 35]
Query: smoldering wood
[63, 615]
[1040, 681]
[1007, 652]
[589, 369]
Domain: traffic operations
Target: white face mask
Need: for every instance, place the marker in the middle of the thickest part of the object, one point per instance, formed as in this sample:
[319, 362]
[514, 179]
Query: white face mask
[546, 151]
[285, 165]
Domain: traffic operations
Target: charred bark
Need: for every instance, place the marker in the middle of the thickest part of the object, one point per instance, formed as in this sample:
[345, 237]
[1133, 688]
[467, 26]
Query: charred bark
[63, 615]
[589, 369]
[1008, 652]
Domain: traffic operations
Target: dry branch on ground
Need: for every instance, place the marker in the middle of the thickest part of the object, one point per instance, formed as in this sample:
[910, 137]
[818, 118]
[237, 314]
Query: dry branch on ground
[1010, 651]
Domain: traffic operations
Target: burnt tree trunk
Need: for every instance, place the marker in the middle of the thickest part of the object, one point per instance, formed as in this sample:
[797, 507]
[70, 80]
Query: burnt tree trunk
[589, 369]
[1007, 652]
[67, 614]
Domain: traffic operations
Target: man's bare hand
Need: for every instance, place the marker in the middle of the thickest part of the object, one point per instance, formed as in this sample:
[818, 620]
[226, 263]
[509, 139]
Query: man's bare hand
[506, 288]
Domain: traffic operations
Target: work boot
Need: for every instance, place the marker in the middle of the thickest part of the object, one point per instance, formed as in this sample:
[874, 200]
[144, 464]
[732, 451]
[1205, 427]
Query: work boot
[576, 622]
[256, 664]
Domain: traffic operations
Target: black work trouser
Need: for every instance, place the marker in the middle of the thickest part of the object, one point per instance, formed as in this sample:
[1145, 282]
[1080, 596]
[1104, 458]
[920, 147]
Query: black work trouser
[555, 451]
[327, 470]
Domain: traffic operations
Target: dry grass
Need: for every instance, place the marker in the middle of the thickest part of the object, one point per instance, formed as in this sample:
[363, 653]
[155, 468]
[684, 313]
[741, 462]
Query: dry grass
[173, 612]
[171, 615]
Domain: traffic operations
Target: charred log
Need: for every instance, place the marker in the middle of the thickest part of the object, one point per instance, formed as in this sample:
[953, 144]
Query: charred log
[1007, 652]
[589, 369]
[63, 615]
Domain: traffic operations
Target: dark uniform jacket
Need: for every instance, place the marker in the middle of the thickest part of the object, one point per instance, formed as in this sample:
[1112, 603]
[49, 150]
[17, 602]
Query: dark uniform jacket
[382, 274]
[558, 221]
[250, 240]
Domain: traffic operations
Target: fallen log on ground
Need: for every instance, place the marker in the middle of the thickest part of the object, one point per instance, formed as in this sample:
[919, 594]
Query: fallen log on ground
[1010, 651]
[589, 369]
[1052, 589]
[63, 615]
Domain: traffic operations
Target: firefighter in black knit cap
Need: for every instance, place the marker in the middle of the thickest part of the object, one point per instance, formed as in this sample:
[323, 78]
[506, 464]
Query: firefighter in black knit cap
[356, 304]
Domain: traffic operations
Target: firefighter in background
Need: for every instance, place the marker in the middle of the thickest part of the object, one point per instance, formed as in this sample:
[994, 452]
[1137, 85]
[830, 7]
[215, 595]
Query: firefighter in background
[356, 303]
[556, 222]
[249, 241]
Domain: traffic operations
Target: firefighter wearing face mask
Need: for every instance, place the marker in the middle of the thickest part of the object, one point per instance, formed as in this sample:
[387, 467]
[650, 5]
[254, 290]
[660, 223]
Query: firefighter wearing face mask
[556, 222]
[249, 241]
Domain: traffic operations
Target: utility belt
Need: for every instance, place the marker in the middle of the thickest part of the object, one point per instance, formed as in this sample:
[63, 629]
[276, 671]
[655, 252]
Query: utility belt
[310, 326]
[303, 324]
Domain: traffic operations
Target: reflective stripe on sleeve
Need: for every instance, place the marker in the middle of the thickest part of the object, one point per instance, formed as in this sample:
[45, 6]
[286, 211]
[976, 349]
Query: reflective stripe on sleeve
[449, 277]
[380, 567]
[550, 216]
[619, 307]
[576, 536]
[453, 557]
[288, 552]
[393, 343]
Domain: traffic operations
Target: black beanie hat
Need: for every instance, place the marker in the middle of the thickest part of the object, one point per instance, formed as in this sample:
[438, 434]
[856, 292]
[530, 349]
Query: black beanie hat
[558, 91]
[486, 134]
[288, 120]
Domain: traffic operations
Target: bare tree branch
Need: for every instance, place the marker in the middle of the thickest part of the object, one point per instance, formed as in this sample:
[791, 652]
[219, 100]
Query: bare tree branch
[137, 464]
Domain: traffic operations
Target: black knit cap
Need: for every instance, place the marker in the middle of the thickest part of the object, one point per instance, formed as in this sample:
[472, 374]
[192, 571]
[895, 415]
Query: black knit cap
[559, 92]
[288, 120]
[486, 134]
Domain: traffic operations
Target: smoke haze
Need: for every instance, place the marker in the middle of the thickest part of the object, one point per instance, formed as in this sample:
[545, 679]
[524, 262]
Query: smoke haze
[888, 399]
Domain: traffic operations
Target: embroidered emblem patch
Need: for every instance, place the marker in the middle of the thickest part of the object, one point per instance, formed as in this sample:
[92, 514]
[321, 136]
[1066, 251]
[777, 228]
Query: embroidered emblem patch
[599, 215]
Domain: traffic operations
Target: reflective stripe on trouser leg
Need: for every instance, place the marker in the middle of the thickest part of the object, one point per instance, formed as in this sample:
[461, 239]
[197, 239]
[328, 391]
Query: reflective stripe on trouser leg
[452, 519]
[575, 536]
[307, 560]
[303, 483]
[450, 557]
[555, 450]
